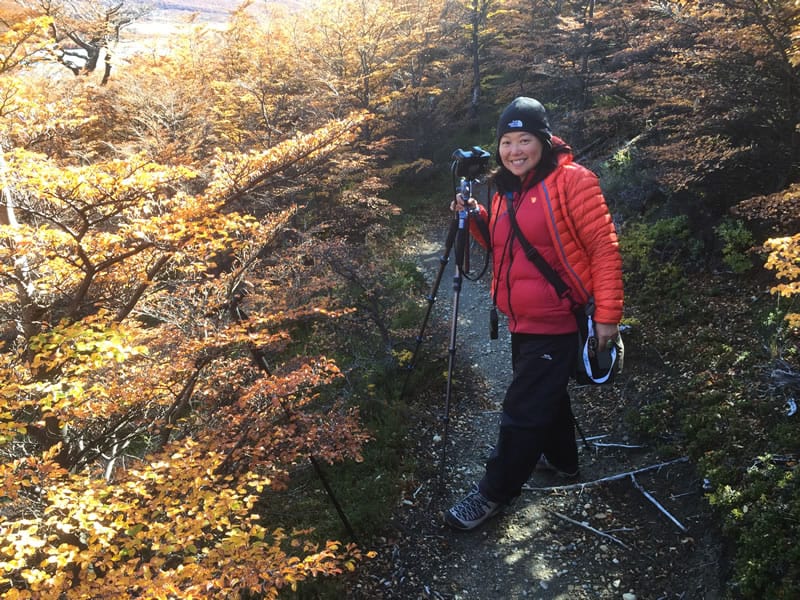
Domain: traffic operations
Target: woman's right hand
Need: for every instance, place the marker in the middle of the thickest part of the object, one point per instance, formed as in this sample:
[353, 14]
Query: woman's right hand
[459, 204]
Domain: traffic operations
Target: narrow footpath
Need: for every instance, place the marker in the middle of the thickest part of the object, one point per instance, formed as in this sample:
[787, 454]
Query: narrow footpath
[634, 527]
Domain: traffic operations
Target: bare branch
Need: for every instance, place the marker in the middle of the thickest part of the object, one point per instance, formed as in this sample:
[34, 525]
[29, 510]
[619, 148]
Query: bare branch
[656, 503]
[616, 445]
[585, 484]
[590, 528]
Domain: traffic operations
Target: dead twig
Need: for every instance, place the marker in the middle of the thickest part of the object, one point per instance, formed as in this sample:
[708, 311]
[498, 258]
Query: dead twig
[590, 528]
[656, 503]
[608, 444]
[615, 445]
[585, 484]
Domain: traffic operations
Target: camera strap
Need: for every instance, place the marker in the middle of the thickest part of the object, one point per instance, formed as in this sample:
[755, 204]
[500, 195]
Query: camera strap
[483, 229]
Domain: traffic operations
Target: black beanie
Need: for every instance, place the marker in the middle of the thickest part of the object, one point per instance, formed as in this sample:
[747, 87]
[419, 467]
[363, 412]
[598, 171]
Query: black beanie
[525, 114]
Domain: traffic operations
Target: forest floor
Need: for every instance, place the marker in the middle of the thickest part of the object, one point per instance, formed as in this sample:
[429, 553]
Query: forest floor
[594, 540]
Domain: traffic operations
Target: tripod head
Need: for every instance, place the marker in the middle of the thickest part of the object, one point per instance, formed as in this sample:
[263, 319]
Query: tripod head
[469, 166]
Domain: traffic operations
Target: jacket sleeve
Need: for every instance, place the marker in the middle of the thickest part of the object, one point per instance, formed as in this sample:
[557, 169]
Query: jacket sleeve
[598, 245]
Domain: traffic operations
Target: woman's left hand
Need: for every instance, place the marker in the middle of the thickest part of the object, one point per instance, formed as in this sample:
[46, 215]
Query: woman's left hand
[607, 334]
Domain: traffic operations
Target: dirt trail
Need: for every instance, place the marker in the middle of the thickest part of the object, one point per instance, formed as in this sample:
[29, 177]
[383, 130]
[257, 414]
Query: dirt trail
[601, 541]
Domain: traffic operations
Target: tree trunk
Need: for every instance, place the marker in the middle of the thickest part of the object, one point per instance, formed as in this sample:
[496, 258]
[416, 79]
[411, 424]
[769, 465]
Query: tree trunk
[587, 50]
[7, 216]
[476, 61]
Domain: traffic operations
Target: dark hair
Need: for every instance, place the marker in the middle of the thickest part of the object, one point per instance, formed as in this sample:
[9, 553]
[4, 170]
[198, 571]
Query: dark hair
[505, 181]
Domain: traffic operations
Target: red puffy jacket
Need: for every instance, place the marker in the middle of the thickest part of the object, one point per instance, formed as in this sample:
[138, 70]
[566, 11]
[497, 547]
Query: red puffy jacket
[566, 218]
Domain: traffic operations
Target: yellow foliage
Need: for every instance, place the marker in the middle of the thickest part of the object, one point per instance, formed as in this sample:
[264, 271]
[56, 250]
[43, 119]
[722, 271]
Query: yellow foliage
[139, 438]
[96, 526]
[235, 174]
[23, 40]
[784, 259]
[45, 116]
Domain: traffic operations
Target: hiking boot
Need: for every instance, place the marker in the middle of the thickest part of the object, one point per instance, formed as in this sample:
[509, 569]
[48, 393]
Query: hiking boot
[471, 511]
[546, 465]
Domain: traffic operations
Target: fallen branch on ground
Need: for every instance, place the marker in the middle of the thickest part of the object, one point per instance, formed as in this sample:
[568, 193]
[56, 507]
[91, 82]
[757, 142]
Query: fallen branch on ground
[650, 497]
[608, 444]
[590, 528]
[585, 484]
[632, 476]
[613, 445]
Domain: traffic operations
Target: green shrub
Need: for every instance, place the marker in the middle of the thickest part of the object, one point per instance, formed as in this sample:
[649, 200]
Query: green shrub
[715, 339]
[737, 241]
[761, 514]
[656, 259]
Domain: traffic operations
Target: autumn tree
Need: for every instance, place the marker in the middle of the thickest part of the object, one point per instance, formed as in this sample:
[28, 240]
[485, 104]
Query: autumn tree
[477, 16]
[84, 33]
[369, 55]
[117, 248]
[23, 36]
[265, 90]
[140, 320]
[178, 121]
[22, 39]
[766, 48]
[721, 67]
[780, 23]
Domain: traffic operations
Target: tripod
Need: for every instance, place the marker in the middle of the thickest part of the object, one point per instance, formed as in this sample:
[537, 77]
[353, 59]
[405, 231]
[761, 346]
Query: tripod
[457, 240]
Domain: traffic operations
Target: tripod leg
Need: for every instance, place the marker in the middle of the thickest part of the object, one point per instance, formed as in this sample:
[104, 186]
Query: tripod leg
[451, 352]
[460, 245]
[431, 298]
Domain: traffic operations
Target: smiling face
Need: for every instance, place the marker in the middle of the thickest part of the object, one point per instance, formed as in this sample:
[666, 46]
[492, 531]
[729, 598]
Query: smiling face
[520, 152]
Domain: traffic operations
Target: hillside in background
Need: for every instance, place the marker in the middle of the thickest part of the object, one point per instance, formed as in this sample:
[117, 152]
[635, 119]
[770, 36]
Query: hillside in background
[199, 10]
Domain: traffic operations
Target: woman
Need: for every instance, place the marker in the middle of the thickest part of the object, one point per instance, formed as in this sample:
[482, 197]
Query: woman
[560, 209]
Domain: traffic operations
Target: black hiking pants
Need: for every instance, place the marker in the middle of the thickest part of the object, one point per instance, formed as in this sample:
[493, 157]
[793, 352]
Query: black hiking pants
[537, 416]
